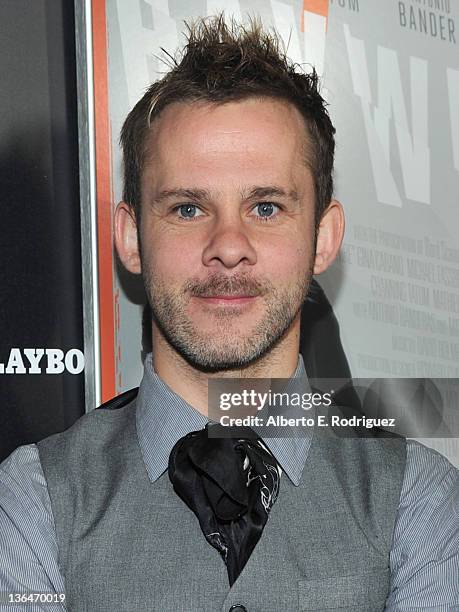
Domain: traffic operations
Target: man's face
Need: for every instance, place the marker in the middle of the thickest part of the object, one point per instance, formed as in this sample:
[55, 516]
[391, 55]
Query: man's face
[227, 228]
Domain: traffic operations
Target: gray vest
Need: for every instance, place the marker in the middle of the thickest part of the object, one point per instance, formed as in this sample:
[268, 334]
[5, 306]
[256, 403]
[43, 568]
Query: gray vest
[127, 544]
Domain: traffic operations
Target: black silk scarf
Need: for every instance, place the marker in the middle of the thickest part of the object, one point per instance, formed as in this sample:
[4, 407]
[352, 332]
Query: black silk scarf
[231, 485]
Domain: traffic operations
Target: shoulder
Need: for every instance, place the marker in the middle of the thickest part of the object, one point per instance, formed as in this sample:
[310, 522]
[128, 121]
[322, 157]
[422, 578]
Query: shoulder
[98, 437]
[424, 558]
[24, 498]
[429, 476]
[428, 513]
[378, 453]
[93, 429]
[22, 482]
[28, 545]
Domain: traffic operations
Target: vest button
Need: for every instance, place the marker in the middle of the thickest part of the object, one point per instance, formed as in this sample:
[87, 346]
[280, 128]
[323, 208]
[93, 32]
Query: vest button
[238, 608]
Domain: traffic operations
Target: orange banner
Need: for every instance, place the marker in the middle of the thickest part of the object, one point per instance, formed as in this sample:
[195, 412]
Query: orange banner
[314, 6]
[104, 201]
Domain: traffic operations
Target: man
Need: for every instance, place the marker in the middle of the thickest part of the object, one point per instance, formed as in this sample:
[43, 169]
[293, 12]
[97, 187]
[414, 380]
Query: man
[227, 213]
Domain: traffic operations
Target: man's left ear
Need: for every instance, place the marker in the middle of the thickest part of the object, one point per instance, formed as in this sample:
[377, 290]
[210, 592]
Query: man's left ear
[329, 236]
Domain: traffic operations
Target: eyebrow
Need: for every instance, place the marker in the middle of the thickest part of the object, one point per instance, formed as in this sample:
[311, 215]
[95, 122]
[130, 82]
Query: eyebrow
[204, 195]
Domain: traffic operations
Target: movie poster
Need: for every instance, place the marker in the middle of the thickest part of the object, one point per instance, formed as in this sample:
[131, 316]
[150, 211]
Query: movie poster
[390, 73]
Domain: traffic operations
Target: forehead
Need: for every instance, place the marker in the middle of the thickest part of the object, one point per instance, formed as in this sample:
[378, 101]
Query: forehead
[263, 134]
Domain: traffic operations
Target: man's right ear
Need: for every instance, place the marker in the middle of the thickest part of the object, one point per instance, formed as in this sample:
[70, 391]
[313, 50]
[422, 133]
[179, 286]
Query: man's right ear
[126, 238]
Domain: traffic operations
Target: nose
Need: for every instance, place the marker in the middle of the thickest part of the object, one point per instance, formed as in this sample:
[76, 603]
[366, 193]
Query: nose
[229, 244]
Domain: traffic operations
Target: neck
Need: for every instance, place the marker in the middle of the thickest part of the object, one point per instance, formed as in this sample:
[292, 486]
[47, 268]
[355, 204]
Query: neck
[192, 384]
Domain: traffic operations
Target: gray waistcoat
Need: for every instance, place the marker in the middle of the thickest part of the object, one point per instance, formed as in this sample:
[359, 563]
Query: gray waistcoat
[127, 544]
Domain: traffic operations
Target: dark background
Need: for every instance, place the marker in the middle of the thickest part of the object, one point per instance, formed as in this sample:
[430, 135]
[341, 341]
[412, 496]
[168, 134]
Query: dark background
[40, 259]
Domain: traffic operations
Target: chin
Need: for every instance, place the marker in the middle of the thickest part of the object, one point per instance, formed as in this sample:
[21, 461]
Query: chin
[220, 363]
[230, 332]
[205, 356]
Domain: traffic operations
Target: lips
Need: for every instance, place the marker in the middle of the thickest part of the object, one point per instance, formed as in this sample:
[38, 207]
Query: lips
[227, 299]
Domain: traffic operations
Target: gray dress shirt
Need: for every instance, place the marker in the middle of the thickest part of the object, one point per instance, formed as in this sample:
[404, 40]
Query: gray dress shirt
[424, 559]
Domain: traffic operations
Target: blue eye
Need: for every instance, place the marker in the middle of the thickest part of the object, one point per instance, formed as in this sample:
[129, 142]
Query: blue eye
[266, 210]
[187, 211]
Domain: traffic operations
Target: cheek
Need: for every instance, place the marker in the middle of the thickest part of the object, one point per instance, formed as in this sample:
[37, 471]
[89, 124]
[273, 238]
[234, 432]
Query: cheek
[170, 256]
[287, 260]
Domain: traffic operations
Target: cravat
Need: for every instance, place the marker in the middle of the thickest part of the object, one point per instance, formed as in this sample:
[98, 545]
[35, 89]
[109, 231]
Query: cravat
[231, 485]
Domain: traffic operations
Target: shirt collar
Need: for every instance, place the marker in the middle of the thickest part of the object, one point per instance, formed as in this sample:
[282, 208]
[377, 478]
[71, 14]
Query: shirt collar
[163, 417]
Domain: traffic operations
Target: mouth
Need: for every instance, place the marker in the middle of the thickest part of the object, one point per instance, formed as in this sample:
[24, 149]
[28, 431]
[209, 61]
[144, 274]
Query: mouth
[227, 300]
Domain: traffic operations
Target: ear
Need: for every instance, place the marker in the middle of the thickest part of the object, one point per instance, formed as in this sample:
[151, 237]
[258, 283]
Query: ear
[126, 241]
[329, 236]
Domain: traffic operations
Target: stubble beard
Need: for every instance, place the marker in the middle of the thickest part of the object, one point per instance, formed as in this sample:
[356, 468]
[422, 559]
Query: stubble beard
[231, 349]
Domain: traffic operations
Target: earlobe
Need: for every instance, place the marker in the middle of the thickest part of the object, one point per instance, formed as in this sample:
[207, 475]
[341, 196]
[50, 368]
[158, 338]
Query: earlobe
[126, 241]
[329, 236]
